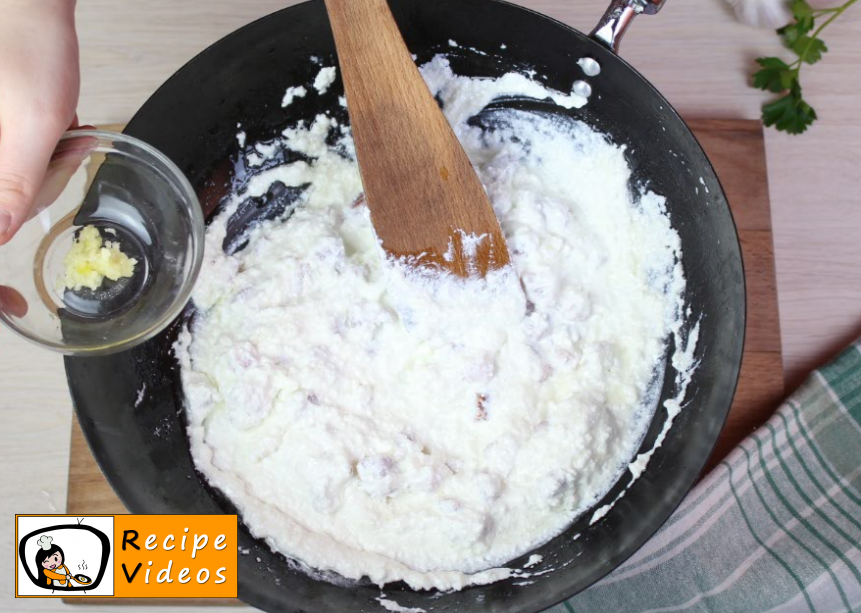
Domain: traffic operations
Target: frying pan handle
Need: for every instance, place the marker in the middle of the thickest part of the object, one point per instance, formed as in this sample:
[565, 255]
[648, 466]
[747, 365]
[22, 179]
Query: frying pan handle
[618, 17]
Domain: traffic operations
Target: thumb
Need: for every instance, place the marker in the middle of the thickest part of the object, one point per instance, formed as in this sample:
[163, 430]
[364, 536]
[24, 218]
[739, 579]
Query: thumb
[25, 150]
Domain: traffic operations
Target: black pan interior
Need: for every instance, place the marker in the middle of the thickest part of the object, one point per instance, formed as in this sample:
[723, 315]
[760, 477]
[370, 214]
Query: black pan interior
[193, 118]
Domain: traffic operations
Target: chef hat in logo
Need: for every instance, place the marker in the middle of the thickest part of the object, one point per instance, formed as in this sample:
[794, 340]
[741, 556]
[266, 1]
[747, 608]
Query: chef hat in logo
[45, 541]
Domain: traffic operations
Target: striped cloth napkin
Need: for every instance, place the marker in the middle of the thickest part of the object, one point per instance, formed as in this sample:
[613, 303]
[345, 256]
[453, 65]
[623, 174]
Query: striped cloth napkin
[776, 527]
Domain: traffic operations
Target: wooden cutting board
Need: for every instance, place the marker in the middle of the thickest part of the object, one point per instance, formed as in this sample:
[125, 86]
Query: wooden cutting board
[737, 150]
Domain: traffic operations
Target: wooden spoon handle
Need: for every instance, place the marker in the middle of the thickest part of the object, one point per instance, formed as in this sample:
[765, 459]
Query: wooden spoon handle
[399, 131]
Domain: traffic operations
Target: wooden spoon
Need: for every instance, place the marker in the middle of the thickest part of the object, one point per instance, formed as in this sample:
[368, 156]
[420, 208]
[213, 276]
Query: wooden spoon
[425, 199]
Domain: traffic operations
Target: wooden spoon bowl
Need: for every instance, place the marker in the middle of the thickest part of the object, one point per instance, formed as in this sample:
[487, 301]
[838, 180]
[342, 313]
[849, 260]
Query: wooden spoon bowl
[426, 202]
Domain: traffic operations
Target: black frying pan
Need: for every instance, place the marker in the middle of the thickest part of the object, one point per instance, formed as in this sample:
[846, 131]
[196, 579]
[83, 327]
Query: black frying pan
[193, 118]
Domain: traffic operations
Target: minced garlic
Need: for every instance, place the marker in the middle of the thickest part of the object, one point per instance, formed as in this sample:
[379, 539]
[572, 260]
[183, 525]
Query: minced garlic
[90, 260]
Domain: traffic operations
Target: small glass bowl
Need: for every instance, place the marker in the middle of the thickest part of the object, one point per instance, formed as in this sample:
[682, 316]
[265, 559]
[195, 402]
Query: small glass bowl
[136, 197]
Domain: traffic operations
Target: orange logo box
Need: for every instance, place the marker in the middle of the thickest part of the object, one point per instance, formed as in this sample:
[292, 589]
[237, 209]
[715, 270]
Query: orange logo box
[175, 556]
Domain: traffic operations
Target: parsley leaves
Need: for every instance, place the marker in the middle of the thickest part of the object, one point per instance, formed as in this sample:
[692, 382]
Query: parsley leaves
[790, 113]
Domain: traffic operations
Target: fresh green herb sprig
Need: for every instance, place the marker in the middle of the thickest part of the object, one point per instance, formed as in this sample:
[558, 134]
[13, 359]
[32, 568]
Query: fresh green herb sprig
[790, 113]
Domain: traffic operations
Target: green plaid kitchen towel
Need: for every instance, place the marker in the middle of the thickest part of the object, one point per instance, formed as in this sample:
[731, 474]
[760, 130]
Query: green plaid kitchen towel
[775, 527]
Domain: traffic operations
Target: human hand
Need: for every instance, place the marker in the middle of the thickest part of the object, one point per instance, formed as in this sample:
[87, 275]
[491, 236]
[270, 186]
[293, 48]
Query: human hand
[39, 83]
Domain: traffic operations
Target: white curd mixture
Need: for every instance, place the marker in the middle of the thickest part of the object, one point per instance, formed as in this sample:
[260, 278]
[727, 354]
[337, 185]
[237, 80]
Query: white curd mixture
[374, 420]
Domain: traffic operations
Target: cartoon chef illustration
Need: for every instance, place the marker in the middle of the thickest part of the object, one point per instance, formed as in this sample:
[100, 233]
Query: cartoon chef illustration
[50, 563]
